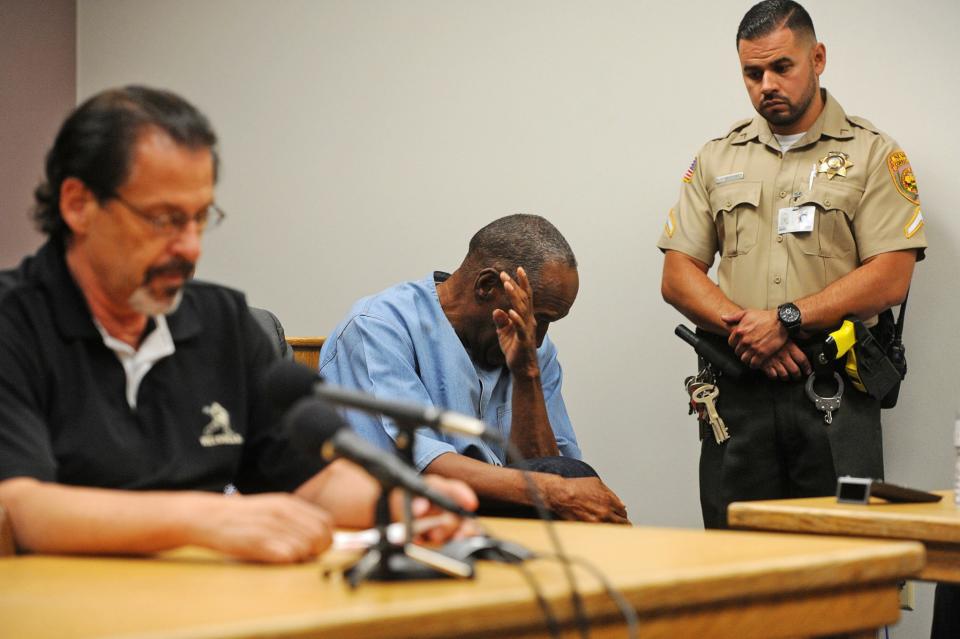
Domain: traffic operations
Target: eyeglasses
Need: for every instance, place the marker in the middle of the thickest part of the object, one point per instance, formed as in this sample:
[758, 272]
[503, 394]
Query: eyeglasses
[172, 221]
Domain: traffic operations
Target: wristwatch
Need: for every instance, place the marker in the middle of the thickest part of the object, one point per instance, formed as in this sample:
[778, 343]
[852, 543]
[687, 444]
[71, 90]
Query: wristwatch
[789, 316]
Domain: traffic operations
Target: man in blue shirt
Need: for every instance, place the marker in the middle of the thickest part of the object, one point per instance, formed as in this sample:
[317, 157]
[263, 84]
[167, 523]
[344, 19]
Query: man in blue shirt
[475, 342]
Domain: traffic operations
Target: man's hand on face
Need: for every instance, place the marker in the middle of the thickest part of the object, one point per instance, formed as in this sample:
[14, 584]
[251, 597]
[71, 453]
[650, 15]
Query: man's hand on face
[517, 327]
[755, 335]
[272, 528]
[582, 499]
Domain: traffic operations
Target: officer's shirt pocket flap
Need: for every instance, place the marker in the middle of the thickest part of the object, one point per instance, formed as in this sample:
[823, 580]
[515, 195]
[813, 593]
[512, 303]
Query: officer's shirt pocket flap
[833, 197]
[735, 209]
[728, 197]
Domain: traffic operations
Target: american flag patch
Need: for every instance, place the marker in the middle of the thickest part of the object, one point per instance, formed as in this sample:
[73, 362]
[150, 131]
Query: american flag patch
[688, 176]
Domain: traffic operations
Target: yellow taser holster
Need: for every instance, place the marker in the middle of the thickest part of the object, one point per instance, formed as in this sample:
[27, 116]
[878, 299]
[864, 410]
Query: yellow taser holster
[839, 343]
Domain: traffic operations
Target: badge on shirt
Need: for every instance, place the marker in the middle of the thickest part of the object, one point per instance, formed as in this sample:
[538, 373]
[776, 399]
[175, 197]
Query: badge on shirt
[834, 163]
[796, 219]
[902, 175]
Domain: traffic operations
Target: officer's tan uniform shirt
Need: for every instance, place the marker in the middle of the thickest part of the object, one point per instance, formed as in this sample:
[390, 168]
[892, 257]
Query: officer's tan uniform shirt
[732, 194]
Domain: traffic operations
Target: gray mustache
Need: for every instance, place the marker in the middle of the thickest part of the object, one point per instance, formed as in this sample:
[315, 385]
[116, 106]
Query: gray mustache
[183, 268]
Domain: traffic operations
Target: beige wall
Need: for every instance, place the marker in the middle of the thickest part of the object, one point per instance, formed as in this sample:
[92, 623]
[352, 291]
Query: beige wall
[37, 87]
[364, 141]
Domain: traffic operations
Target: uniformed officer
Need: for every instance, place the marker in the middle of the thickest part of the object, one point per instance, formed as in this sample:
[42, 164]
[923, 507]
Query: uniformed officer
[815, 215]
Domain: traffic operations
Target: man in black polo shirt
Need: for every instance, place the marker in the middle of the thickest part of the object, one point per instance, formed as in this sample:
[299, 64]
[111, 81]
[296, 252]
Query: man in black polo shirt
[129, 395]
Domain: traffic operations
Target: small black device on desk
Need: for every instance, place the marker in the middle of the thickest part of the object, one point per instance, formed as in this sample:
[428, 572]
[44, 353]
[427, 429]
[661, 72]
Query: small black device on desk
[859, 490]
[483, 547]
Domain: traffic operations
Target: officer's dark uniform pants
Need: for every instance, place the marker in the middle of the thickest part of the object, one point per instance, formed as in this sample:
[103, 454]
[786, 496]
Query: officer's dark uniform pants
[780, 446]
[563, 466]
[946, 612]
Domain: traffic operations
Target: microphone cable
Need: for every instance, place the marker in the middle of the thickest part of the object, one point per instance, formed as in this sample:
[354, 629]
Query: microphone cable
[580, 616]
[559, 554]
[627, 611]
[553, 627]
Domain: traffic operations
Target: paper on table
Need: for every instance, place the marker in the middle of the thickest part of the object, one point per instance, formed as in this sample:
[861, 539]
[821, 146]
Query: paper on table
[360, 539]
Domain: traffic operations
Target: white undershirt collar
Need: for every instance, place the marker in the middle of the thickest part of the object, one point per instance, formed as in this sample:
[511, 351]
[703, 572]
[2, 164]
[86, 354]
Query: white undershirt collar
[138, 362]
[787, 141]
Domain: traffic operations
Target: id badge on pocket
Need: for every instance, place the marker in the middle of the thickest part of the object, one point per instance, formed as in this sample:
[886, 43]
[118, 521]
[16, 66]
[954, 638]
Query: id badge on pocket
[796, 219]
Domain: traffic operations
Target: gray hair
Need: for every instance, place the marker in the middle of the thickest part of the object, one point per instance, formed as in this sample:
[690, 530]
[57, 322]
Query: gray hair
[523, 240]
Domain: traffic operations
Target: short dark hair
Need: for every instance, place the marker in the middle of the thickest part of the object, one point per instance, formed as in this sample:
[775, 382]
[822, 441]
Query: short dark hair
[95, 145]
[766, 17]
[523, 240]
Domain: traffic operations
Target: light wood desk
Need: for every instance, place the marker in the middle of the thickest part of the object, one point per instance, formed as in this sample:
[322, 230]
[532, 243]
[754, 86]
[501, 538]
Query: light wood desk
[936, 525]
[684, 583]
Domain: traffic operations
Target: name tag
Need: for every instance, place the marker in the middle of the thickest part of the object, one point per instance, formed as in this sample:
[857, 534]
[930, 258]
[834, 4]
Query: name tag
[732, 177]
[796, 219]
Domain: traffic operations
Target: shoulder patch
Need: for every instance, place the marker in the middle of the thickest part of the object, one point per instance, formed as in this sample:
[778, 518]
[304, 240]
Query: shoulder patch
[688, 174]
[914, 225]
[902, 175]
[671, 224]
[863, 123]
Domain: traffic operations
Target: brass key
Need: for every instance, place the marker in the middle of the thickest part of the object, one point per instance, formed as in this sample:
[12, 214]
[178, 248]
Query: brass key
[707, 395]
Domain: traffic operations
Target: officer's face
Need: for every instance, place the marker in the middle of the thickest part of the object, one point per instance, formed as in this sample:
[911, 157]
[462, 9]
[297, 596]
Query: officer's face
[781, 73]
[138, 265]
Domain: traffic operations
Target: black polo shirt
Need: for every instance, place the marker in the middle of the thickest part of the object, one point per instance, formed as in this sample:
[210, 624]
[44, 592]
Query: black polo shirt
[200, 422]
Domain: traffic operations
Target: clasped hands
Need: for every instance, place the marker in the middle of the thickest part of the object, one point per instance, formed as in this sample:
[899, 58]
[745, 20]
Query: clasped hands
[760, 340]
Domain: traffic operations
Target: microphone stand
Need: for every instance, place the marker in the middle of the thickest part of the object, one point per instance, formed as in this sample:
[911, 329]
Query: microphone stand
[388, 561]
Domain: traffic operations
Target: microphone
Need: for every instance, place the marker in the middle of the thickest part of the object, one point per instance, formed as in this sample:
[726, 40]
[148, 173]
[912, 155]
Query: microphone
[719, 357]
[286, 382]
[313, 425]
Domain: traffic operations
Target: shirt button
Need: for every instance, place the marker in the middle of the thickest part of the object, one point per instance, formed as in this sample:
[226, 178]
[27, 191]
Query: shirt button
[776, 280]
[728, 203]
[783, 194]
[779, 238]
[826, 202]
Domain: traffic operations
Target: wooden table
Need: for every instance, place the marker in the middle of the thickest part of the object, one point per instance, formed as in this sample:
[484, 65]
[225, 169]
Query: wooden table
[936, 525]
[684, 583]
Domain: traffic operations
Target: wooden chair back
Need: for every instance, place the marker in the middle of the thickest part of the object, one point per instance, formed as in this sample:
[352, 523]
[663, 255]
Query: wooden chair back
[7, 546]
[306, 350]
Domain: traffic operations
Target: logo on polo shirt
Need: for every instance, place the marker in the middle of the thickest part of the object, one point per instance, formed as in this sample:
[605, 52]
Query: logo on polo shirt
[218, 431]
